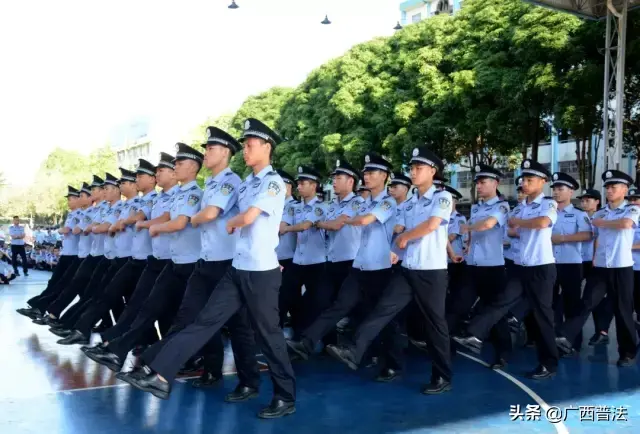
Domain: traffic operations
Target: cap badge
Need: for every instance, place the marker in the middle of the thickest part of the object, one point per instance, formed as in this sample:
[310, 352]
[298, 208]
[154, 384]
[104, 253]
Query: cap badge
[415, 152]
[367, 159]
[477, 168]
[337, 163]
[392, 176]
[247, 125]
[555, 176]
[177, 147]
[209, 132]
[300, 169]
[584, 191]
[527, 164]
[608, 174]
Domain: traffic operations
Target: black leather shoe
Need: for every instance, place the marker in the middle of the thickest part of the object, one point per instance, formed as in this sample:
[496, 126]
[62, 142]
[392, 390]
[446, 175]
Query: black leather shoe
[437, 386]
[101, 347]
[564, 345]
[41, 320]
[299, 348]
[387, 375]
[344, 355]
[599, 339]
[499, 363]
[241, 393]
[138, 373]
[75, 337]
[63, 333]
[32, 313]
[207, 379]
[52, 322]
[152, 384]
[106, 358]
[471, 343]
[625, 362]
[277, 408]
[541, 373]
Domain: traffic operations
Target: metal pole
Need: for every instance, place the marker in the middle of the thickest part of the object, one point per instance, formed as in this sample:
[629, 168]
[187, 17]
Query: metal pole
[605, 99]
[622, 37]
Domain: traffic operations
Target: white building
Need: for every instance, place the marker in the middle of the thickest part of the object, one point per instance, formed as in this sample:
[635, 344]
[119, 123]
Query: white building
[412, 11]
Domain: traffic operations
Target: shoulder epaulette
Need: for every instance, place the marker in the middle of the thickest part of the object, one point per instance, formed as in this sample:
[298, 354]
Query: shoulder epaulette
[193, 187]
[273, 172]
[548, 197]
[578, 208]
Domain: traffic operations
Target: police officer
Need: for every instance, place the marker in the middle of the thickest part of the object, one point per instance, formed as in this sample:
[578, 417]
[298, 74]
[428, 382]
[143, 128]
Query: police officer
[371, 269]
[252, 282]
[167, 292]
[38, 304]
[399, 189]
[485, 260]
[287, 245]
[572, 229]
[160, 247]
[68, 294]
[308, 267]
[511, 247]
[125, 280]
[343, 240]
[612, 272]
[219, 205]
[423, 276]
[16, 231]
[536, 277]
[590, 202]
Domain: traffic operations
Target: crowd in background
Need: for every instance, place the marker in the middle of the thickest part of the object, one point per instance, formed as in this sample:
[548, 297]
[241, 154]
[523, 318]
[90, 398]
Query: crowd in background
[42, 252]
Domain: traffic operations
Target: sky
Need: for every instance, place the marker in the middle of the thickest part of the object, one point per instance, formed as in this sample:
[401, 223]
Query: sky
[74, 70]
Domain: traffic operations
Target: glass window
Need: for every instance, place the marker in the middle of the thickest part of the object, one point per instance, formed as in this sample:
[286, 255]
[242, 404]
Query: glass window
[508, 178]
[465, 179]
[417, 17]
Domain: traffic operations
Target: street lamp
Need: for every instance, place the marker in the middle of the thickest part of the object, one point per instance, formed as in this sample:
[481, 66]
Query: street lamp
[398, 26]
[326, 20]
[233, 5]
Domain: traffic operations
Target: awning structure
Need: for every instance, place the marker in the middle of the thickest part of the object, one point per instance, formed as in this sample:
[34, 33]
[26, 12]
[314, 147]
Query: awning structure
[590, 9]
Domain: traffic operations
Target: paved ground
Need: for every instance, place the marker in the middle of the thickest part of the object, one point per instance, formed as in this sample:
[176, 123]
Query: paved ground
[49, 388]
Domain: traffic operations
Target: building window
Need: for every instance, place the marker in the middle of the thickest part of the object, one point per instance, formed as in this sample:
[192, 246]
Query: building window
[465, 179]
[568, 167]
[417, 17]
[508, 178]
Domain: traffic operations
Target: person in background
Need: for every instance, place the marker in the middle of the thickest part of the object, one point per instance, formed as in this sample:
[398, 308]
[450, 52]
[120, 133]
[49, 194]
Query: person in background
[17, 233]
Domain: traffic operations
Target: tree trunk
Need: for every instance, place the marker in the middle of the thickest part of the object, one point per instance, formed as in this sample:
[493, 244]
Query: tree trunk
[535, 139]
[589, 165]
[579, 160]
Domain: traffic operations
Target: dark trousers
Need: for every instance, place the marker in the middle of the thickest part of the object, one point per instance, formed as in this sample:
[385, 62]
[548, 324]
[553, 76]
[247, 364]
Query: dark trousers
[140, 294]
[603, 312]
[360, 288]
[291, 299]
[201, 284]
[15, 251]
[429, 289]
[485, 283]
[76, 286]
[618, 284]
[327, 292]
[121, 285]
[535, 284]
[71, 315]
[567, 293]
[163, 301]
[44, 302]
[258, 292]
[58, 272]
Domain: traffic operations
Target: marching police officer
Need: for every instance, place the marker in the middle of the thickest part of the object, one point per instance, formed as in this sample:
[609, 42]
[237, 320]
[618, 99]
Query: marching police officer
[252, 282]
[69, 255]
[536, 277]
[571, 231]
[310, 256]
[219, 205]
[371, 268]
[423, 275]
[160, 247]
[612, 272]
[485, 261]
